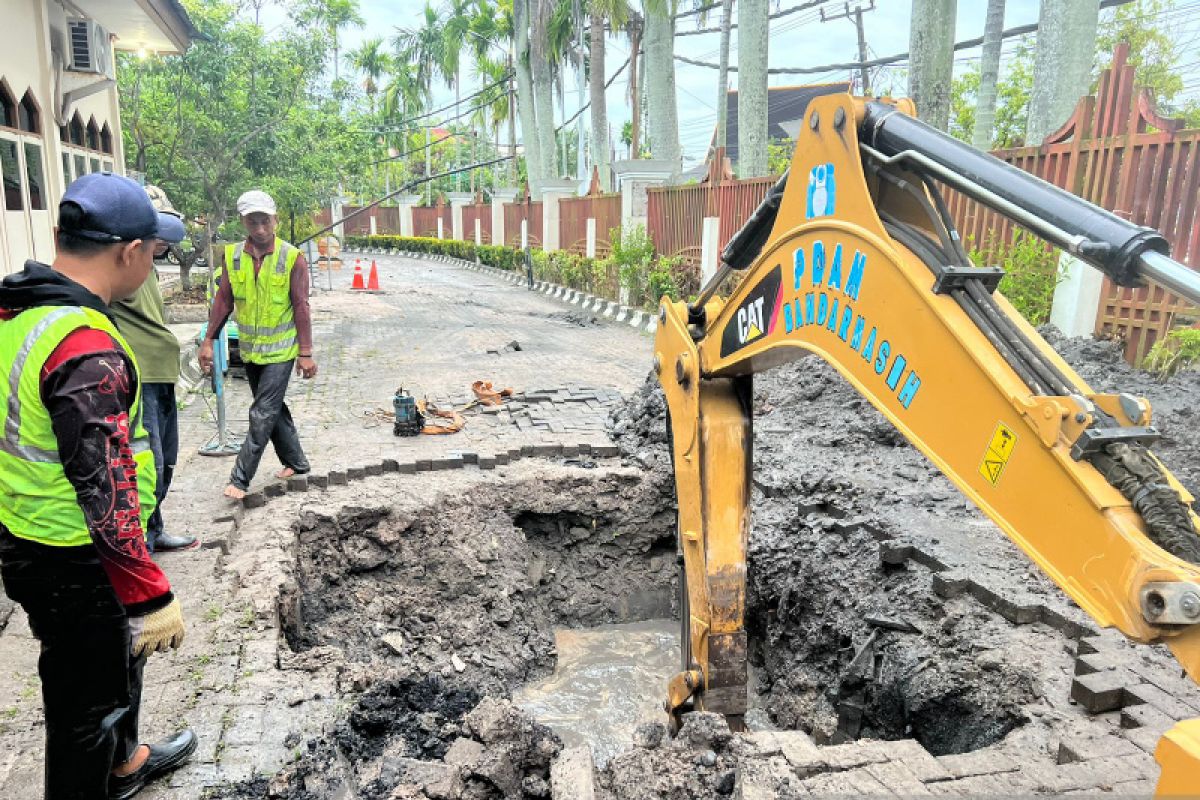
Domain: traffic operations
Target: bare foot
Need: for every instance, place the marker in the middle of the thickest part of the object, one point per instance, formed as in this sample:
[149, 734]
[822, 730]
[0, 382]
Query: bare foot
[285, 473]
[234, 493]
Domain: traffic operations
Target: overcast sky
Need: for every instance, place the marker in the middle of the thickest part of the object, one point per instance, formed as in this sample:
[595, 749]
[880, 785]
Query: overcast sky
[797, 40]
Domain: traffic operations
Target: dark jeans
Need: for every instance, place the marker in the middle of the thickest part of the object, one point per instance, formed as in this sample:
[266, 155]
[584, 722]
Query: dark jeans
[91, 687]
[161, 418]
[270, 421]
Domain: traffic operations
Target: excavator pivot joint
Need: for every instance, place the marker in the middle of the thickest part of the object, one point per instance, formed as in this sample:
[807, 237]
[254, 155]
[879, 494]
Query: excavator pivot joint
[1171, 603]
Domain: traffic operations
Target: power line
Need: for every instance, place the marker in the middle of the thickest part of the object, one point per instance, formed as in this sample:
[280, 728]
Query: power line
[410, 185]
[474, 94]
[588, 104]
[1020, 30]
[776, 15]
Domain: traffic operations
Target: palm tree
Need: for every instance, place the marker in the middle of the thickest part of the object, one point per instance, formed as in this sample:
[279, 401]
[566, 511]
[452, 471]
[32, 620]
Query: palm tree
[543, 99]
[989, 72]
[723, 73]
[420, 49]
[616, 14]
[332, 15]
[660, 92]
[373, 61]
[455, 25]
[753, 21]
[527, 108]
[490, 26]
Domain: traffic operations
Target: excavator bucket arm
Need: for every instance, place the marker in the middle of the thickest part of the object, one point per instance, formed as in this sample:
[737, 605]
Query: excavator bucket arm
[853, 258]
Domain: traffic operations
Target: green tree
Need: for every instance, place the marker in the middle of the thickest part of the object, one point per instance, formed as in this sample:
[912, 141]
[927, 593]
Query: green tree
[236, 110]
[1154, 52]
[1012, 107]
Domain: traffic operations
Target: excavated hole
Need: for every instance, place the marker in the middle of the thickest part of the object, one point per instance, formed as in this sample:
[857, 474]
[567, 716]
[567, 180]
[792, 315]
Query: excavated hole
[473, 592]
[453, 602]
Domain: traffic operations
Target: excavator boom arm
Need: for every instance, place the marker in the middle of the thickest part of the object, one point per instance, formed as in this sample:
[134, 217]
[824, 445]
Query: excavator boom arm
[862, 267]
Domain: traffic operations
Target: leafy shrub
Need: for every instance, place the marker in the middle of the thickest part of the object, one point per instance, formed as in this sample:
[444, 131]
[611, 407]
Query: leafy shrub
[633, 256]
[632, 264]
[1178, 350]
[1031, 272]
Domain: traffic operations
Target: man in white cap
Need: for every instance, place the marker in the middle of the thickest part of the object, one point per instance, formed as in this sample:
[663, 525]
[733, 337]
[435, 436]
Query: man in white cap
[266, 280]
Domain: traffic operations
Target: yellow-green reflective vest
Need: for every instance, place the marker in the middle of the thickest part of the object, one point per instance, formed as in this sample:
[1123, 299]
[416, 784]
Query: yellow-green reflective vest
[37, 502]
[266, 324]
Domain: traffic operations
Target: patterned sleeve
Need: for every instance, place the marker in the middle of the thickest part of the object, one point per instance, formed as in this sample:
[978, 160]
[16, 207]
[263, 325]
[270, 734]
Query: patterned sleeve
[88, 388]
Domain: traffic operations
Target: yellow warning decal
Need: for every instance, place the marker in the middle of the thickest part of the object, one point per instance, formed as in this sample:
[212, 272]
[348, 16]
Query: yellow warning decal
[999, 450]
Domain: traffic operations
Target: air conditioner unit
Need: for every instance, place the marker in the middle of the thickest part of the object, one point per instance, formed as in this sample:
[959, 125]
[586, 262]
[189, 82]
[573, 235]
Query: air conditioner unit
[88, 47]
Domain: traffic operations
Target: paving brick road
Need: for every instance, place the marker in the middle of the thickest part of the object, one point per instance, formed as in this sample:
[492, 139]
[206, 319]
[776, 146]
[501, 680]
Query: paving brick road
[430, 331]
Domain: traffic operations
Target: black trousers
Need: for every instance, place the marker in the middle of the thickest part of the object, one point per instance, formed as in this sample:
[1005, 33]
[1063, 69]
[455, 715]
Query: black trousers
[91, 686]
[270, 421]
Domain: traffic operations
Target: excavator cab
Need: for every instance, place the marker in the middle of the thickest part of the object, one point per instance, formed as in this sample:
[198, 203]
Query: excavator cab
[853, 257]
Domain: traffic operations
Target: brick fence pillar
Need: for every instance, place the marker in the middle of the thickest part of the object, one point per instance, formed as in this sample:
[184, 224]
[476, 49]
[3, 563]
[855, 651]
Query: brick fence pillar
[406, 204]
[458, 200]
[552, 192]
[499, 198]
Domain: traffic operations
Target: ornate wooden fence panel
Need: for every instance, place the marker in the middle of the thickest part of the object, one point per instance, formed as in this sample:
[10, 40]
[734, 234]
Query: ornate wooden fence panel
[676, 213]
[425, 221]
[387, 220]
[483, 213]
[573, 214]
[1116, 152]
[523, 210]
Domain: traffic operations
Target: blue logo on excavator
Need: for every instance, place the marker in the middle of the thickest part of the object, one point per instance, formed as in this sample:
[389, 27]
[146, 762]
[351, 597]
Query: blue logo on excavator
[822, 191]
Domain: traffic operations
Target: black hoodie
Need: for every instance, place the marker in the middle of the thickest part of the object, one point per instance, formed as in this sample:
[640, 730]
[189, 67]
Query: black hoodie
[88, 386]
[38, 285]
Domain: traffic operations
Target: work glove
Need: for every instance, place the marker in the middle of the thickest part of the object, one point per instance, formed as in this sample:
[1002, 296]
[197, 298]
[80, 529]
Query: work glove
[157, 631]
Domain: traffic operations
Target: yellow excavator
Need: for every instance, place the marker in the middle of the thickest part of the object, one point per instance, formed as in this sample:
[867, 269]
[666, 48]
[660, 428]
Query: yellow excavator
[853, 257]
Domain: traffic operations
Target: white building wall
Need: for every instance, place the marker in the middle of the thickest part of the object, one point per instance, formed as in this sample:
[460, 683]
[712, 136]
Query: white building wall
[27, 63]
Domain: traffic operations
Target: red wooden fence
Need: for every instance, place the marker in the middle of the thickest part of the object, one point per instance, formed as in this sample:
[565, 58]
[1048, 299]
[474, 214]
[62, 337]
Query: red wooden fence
[1117, 152]
[514, 213]
[483, 213]
[573, 214]
[425, 221]
[387, 220]
[675, 214]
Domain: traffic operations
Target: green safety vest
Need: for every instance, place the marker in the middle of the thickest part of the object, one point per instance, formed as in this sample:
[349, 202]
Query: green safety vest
[37, 502]
[266, 324]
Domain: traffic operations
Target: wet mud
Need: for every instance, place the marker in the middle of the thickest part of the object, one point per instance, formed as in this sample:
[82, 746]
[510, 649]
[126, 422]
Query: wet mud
[433, 616]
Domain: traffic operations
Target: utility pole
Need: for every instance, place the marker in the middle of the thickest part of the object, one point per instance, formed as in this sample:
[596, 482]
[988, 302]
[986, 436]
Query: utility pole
[428, 171]
[864, 77]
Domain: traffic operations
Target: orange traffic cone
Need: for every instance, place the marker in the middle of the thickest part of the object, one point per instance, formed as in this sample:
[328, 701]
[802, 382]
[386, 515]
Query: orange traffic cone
[358, 276]
[373, 278]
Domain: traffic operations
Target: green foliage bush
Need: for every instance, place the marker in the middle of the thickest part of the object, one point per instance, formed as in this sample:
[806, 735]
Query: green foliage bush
[1031, 272]
[632, 264]
[1178, 350]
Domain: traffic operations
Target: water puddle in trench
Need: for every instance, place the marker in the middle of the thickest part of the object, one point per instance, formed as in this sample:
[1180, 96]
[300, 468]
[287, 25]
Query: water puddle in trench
[608, 680]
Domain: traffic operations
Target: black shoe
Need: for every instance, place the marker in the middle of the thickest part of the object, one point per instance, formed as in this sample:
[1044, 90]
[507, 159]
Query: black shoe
[163, 758]
[166, 542]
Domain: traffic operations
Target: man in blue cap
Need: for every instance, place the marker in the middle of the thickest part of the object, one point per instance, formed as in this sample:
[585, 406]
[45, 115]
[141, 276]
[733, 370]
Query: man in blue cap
[142, 320]
[76, 488]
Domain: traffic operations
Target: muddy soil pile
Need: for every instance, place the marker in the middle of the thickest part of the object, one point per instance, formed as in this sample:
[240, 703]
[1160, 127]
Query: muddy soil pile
[847, 645]
[419, 738]
[424, 611]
